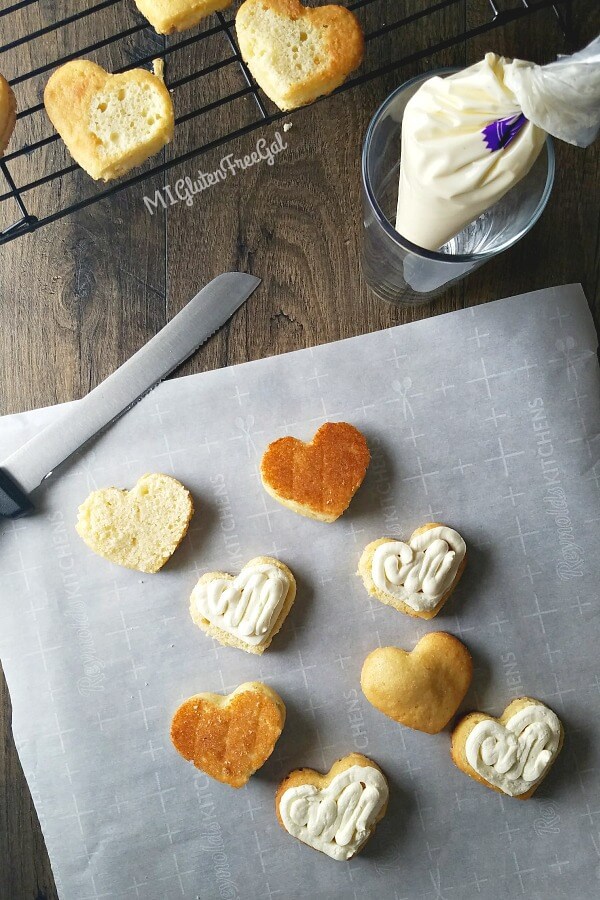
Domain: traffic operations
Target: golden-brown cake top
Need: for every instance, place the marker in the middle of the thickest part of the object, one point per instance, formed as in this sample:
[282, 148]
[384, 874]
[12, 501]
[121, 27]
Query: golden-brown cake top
[319, 478]
[229, 738]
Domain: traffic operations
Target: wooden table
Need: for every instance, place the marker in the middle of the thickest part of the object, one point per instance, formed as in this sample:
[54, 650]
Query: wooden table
[78, 297]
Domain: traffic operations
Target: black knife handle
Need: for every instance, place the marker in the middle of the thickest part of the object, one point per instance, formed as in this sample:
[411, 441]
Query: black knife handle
[13, 501]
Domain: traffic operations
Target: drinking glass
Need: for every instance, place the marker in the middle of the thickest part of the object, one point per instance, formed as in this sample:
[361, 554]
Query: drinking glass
[403, 273]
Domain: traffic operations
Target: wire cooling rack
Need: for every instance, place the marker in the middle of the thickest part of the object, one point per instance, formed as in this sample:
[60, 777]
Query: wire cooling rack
[215, 97]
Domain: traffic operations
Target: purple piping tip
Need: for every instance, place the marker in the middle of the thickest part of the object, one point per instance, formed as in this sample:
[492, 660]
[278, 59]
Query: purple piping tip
[498, 135]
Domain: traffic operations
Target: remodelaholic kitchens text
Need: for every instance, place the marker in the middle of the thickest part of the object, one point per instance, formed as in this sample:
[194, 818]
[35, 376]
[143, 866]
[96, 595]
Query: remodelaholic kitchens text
[185, 189]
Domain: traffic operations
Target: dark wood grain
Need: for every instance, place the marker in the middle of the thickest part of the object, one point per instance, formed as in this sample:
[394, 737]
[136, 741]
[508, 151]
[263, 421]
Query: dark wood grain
[78, 297]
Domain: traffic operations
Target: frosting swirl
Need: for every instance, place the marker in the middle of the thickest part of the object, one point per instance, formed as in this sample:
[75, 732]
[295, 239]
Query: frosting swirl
[514, 756]
[338, 819]
[419, 572]
[247, 606]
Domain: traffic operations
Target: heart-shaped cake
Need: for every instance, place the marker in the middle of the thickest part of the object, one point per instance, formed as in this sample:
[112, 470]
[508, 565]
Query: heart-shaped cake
[167, 16]
[298, 53]
[246, 611]
[110, 123]
[229, 737]
[318, 479]
[334, 813]
[415, 577]
[141, 528]
[512, 754]
[8, 113]
[421, 689]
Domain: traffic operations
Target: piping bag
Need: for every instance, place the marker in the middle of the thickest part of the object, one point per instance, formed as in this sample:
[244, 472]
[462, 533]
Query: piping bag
[469, 137]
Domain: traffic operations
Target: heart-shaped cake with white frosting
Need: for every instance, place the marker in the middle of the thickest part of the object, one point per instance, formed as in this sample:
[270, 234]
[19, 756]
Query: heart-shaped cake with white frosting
[245, 611]
[418, 576]
[335, 813]
[511, 754]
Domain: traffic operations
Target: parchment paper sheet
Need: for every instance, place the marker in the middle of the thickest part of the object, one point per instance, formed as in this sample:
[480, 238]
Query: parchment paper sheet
[485, 419]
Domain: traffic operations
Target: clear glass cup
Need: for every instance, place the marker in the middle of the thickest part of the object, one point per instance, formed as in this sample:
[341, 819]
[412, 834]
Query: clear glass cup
[396, 269]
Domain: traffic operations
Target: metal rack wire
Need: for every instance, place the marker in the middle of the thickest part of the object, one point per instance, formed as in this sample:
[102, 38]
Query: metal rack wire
[35, 172]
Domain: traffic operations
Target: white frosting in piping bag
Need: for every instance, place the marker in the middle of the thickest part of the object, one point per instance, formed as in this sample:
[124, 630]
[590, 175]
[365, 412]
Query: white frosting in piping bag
[467, 138]
[420, 572]
[514, 756]
[562, 97]
[246, 607]
[339, 818]
[448, 172]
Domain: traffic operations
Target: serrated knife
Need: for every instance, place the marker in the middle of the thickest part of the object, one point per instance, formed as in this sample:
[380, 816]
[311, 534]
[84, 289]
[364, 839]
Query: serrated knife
[28, 466]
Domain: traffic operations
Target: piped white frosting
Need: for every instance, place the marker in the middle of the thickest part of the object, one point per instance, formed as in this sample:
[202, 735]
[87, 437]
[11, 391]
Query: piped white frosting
[338, 819]
[419, 572]
[247, 606]
[514, 756]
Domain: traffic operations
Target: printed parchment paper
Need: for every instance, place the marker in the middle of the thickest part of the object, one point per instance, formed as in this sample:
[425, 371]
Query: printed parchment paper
[485, 419]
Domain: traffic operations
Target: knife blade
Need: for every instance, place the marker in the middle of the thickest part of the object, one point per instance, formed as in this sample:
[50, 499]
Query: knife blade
[28, 466]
